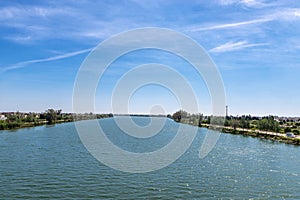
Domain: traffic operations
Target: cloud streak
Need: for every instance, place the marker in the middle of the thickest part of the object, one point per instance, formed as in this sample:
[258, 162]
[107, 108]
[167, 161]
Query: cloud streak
[233, 46]
[283, 14]
[30, 12]
[58, 57]
[246, 3]
[231, 25]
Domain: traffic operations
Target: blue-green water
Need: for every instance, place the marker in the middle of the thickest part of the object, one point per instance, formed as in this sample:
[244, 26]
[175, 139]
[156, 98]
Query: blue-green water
[51, 161]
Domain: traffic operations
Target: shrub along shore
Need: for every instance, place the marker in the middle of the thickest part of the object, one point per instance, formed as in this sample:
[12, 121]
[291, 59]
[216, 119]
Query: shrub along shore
[259, 134]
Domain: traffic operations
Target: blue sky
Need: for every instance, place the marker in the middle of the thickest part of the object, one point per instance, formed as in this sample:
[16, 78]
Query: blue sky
[254, 43]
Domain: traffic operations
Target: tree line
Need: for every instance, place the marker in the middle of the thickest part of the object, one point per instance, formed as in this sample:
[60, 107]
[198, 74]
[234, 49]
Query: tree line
[266, 123]
[17, 119]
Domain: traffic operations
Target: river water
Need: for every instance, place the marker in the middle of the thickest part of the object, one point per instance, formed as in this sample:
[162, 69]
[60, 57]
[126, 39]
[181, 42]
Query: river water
[51, 162]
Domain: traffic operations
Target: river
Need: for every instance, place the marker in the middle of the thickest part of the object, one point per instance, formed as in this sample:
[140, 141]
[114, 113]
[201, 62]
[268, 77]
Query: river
[51, 162]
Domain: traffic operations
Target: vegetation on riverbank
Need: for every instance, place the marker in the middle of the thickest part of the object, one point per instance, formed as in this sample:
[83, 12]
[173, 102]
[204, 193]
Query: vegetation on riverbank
[268, 127]
[263, 135]
[14, 120]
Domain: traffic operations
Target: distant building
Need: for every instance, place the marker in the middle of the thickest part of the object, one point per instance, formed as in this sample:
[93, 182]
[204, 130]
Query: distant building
[2, 117]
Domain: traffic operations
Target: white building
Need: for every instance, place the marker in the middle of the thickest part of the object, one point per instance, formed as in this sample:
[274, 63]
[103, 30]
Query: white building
[2, 117]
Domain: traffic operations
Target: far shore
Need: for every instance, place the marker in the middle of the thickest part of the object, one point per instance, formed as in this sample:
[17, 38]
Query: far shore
[40, 123]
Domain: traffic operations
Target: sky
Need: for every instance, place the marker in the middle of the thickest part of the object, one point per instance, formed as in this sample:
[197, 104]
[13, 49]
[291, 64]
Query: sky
[254, 43]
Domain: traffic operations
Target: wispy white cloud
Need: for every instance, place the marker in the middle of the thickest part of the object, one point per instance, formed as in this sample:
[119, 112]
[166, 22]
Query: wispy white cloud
[19, 39]
[32, 23]
[246, 3]
[19, 12]
[231, 25]
[58, 57]
[297, 13]
[233, 46]
[37, 23]
[287, 14]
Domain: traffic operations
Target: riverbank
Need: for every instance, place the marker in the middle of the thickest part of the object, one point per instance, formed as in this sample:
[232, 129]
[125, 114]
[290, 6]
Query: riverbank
[17, 120]
[281, 129]
[279, 137]
[34, 124]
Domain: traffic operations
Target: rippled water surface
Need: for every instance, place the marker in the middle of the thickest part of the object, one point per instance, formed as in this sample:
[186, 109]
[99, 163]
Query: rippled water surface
[50, 161]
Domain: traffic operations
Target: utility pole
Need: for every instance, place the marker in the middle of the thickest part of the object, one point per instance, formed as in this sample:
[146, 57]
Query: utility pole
[226, 111]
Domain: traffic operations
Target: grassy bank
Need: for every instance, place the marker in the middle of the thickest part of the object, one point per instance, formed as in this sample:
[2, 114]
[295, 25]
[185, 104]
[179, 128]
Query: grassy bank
[279, 138]
[259, 134]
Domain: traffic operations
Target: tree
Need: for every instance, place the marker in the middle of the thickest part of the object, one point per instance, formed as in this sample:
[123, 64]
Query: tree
[234, 123]
[244, 122]
[59, 114]
[268, 124]
[217, 120]
[177, 116]
[227, 121]
[287, 129]
[50, 116]
[295, 131]
[208, 120]
[200, 120]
